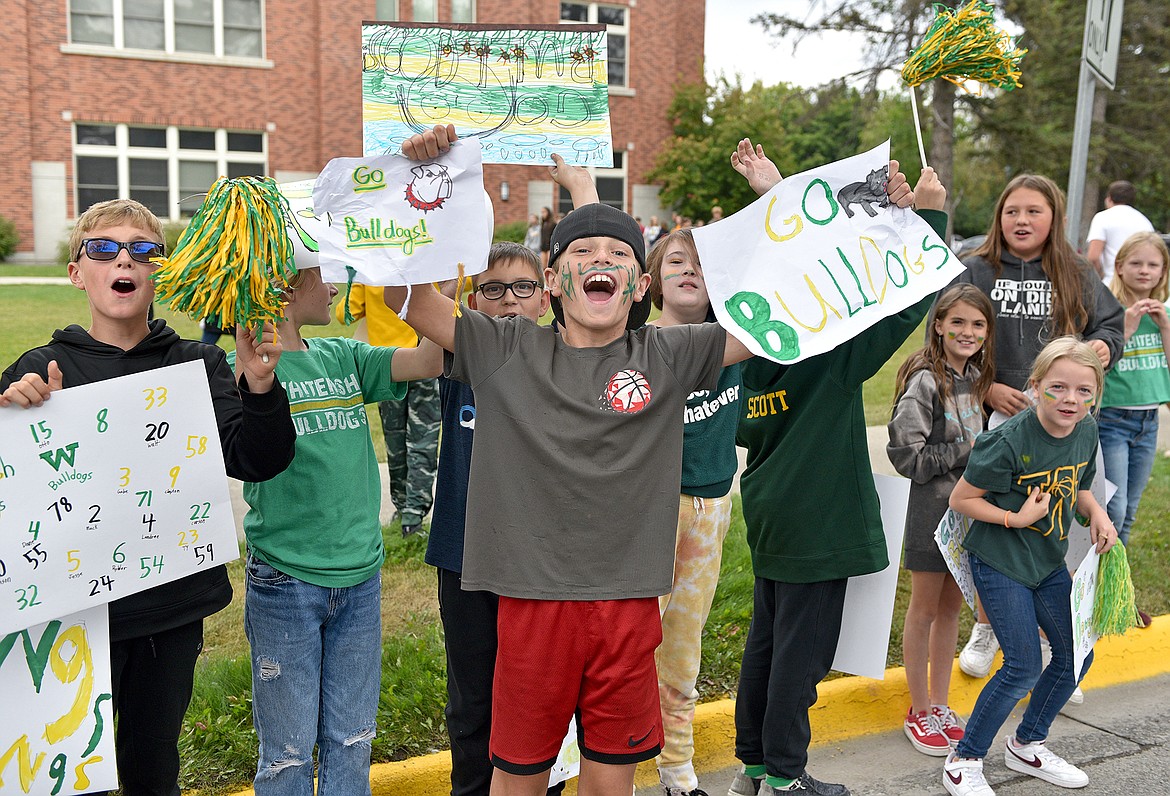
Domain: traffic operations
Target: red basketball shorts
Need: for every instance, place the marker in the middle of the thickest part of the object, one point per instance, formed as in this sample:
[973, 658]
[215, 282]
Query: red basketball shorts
[557, 658]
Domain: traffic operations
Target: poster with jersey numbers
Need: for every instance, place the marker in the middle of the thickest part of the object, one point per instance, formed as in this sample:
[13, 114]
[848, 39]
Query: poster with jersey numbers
[57, 736]
[109, 489]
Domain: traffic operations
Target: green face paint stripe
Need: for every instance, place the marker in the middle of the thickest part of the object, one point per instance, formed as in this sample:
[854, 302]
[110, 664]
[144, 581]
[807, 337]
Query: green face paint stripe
[1049, 396]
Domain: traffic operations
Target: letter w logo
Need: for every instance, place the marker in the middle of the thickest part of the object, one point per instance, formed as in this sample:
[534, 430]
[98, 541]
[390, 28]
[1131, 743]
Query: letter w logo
[67, 453]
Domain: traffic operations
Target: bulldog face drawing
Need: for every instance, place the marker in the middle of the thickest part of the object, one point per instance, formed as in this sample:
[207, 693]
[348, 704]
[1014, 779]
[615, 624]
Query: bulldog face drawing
[429, 188]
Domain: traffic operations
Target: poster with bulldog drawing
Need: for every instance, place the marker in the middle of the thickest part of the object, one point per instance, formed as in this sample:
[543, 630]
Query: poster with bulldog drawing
[394, 221]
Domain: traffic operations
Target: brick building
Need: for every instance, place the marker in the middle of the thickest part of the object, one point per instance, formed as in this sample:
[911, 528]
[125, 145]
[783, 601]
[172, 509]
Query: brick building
[153, 99]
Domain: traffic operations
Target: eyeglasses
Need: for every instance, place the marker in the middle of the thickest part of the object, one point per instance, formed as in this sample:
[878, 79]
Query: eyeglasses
[104, 249]
[521, 289]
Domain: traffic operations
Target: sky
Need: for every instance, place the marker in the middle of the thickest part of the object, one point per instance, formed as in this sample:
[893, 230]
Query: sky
[734, 44]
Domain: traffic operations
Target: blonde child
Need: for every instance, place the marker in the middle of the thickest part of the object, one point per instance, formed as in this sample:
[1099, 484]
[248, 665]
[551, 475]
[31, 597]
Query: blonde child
[1040, 289]
[1133, 390]
[937, 415]
[1023, 482]
[709, 463]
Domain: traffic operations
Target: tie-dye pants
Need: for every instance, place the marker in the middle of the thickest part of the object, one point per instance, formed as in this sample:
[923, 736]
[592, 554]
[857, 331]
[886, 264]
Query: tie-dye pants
[702, 526]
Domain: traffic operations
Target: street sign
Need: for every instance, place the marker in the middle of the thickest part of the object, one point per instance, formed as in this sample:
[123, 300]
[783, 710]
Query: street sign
[1103, 38]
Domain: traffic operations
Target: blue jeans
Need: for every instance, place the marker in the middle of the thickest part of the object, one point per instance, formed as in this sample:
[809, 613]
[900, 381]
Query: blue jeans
[1129, 442]
[1015, 610]
[316, 670]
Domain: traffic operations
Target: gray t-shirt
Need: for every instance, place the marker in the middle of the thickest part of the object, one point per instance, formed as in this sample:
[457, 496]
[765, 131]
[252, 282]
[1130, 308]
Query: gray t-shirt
[573, 493]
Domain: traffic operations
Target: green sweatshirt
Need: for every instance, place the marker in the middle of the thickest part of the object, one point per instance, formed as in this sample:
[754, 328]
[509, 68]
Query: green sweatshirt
[809, 499]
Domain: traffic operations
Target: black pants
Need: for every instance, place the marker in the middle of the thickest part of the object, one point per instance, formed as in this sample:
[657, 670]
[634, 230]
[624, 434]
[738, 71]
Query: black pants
[152, 681]
[469, 625]
[789, 649]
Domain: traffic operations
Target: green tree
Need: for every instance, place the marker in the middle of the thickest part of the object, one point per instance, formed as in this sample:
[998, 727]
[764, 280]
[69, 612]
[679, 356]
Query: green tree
[799, 128]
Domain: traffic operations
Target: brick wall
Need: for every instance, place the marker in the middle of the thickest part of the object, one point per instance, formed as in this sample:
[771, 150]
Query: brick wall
[311, 95]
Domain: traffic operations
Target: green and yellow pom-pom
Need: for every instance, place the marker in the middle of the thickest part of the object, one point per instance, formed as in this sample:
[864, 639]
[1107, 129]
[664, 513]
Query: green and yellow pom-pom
[234, 259]
[965, 44]
[1113, 606]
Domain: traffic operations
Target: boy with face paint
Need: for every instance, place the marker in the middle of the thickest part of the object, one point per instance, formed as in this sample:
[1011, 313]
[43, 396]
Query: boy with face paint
[591, 420]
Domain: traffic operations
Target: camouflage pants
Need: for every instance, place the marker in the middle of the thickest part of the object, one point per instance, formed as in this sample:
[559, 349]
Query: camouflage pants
[411, 430]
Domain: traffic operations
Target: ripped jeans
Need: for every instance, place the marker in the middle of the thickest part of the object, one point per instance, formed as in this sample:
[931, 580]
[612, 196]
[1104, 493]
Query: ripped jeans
[316, 671]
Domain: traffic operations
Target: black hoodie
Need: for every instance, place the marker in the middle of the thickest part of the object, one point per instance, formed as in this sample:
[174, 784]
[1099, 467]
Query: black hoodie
[255, 431]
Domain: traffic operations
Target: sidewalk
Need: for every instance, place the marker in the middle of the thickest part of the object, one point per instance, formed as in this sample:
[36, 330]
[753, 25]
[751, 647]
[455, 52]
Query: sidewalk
[857, 739]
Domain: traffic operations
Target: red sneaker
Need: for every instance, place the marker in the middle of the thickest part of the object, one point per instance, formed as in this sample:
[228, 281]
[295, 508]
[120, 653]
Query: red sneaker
[948, 723]
[923, 731]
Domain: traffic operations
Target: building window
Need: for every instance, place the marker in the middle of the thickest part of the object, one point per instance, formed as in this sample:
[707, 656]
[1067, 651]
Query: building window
[611, 186]
[168, 169]
[463, 10]
[386, 10]
[616, 22]
[426, 10]
[210, 27]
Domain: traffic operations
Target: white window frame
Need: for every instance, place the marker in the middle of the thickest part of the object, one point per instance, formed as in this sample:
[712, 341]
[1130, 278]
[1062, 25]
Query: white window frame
[623, 30]
[172, 154]
[169, 53]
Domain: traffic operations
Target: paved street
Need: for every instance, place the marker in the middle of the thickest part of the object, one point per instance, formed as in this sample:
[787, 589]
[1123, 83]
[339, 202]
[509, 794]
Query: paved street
[1119, 736]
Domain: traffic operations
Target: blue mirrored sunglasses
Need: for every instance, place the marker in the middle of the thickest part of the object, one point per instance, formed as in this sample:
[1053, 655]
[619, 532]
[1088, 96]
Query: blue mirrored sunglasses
[105, 249]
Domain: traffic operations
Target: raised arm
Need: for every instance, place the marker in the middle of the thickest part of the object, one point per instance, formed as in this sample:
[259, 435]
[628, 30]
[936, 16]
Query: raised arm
[424, 361]
[574, 179]
[760, 172]
[430, 313]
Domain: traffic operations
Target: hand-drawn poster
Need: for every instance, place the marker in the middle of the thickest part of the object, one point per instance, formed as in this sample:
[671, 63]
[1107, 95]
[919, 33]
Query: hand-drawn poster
[525, 91]
[568, 762]
[109, 489]
[1084, 593]
[396, 221]
[58, 731]
[949, 535]
[819, 259]
[869, 599]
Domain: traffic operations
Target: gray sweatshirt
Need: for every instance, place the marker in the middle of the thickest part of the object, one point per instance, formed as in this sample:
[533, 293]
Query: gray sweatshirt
[1022, 298]
[930, 443]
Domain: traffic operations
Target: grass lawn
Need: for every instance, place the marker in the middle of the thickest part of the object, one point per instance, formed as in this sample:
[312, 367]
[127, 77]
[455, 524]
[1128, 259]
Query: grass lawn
[218, 743]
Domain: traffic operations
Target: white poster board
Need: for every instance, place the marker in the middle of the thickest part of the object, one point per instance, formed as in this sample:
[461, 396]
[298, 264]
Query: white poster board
[949, 536]
[819, 259]
[568, 762]
[869, 599]
[1084, 593]
[109, 489]
[57, 736]
[403, 222]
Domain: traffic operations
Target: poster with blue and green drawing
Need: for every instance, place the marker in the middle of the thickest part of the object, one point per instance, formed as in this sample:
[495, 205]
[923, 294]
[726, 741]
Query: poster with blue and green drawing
[524, 91]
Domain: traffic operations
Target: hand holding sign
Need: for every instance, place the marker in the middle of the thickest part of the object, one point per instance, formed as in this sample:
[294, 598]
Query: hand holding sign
[822, 256]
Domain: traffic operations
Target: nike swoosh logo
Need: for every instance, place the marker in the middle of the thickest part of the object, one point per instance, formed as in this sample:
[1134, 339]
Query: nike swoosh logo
[640, 741]
[954, 780]
[1035, 762]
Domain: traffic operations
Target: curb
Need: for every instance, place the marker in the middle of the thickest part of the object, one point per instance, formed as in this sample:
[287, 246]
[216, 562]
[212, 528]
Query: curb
[848, 707]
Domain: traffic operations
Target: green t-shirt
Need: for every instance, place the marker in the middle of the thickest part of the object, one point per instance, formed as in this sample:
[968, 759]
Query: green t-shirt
[1140, 377]
[1009, 461]
[318, 520]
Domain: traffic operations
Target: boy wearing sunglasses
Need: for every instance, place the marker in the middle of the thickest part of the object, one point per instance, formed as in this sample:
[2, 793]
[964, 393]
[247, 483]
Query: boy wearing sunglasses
[155, 635]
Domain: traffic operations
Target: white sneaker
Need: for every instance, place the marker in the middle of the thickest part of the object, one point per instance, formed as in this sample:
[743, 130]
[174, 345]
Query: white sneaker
[1077, 697]
[976, 657]
[964, 777]
[1037, 760]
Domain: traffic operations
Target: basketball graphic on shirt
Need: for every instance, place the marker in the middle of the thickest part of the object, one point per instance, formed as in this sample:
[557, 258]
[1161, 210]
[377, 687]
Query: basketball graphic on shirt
[628, 391]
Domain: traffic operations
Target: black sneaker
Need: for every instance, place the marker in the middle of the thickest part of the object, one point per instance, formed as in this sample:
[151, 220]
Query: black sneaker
[806, 784]
[411, 528]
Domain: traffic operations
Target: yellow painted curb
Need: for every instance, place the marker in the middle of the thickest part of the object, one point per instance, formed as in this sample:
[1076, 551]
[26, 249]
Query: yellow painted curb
[848, 707]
